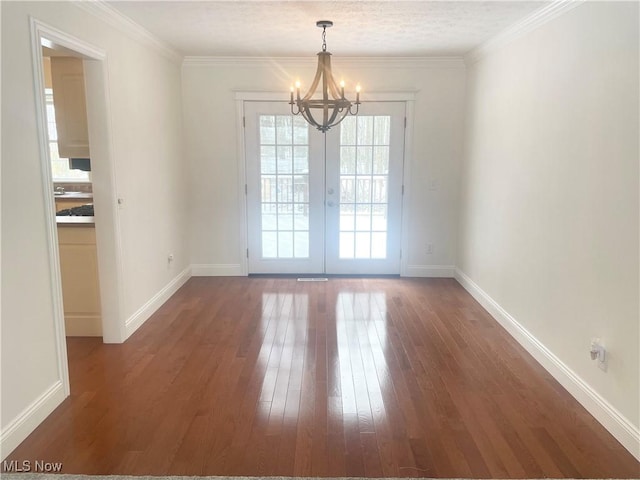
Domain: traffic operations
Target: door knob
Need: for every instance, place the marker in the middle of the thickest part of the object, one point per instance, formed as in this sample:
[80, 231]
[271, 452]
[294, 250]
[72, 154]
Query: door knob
[330, 203]
[330, 191]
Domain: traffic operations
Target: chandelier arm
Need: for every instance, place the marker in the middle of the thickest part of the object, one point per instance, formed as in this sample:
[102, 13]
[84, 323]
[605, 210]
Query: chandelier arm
[340, 114]
[334, 90]
[318, 103]
[331, 82]
[342, 117]
[326, 74]
[331, 122]
[316, 79]
[306, 113]
[324, 126]
[325, 116]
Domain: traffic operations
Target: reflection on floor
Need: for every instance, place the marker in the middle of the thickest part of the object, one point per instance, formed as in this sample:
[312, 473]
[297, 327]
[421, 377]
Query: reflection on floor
[350, 377]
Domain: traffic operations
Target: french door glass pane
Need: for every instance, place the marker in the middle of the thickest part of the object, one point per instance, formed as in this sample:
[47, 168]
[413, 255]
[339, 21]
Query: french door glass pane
[364, 180]
[347, 245]
[267, 129]
[284, 170]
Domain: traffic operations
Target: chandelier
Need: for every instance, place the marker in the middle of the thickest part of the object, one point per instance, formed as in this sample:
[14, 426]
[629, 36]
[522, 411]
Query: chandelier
[333, 107]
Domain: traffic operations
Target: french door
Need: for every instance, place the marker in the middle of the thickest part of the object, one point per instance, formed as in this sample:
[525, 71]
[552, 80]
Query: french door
[324, 203]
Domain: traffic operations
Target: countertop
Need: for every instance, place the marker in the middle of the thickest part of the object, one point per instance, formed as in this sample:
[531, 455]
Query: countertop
[67, 221]
[75, 196]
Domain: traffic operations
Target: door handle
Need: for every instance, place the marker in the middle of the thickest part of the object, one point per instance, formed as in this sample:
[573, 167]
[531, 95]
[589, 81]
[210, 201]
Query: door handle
[330, 191]
[330, 203]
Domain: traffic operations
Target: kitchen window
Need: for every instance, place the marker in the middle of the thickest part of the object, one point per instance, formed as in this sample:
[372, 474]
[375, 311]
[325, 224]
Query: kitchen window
[60, 170]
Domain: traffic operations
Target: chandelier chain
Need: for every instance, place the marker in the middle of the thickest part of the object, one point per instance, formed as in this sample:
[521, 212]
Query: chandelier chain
[324, 38]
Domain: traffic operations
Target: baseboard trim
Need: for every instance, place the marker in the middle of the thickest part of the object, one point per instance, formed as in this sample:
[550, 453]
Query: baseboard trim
[216, 270]
[145, 311]
[616, 423]
[27, 421]
[430, 271]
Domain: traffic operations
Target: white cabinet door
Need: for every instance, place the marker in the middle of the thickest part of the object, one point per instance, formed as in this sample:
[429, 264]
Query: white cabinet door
[67, 74]
[324, 203]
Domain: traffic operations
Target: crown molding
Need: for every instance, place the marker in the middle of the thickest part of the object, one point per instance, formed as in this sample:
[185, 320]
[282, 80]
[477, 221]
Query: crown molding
[257, 62]
[113, 17]
[517, 30]
[360, 62]
[375, 96]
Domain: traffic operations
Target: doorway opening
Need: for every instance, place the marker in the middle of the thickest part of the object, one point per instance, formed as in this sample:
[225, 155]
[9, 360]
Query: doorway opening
[69, 151]
[94, 243]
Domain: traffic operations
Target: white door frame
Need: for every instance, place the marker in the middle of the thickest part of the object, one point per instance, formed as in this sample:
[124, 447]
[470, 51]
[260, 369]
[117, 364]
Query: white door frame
[107, 227]
[248, 96]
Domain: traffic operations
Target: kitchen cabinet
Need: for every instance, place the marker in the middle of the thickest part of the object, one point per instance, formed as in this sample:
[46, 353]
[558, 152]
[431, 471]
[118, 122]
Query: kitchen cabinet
[80, 284]
[69, 101]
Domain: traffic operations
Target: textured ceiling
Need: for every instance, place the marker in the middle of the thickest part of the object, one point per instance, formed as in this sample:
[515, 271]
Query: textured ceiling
[361, 28]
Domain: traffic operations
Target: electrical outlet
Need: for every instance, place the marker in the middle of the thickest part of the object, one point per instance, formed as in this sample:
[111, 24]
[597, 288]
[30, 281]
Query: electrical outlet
[603, 358]
[603, 363]
[429, 248]
[170, 258]
[599, 353]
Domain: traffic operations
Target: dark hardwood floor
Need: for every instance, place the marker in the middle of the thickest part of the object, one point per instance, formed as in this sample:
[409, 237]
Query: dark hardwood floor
[351, 377]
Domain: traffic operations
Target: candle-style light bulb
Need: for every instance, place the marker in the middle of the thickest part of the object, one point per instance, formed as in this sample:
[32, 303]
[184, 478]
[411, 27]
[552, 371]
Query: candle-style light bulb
[298, 89]
[358, 93]
[342, 88]
[291, 95]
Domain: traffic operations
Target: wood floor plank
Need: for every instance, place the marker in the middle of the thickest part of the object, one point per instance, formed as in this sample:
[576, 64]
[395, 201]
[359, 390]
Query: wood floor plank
[351, 377]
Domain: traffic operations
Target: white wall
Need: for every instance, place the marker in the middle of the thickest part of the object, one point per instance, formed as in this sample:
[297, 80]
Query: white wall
[146, 146]
[210, 136]
[549, 191]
